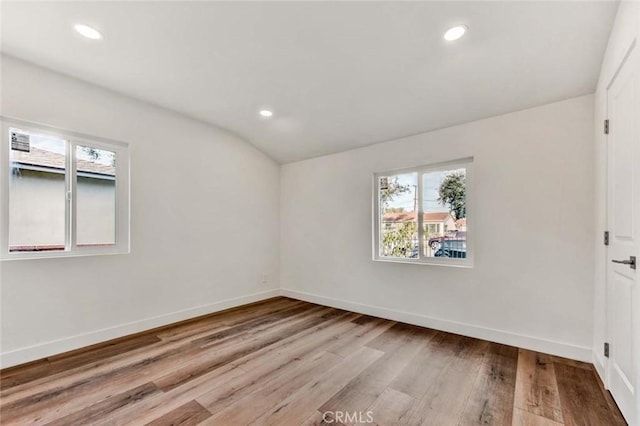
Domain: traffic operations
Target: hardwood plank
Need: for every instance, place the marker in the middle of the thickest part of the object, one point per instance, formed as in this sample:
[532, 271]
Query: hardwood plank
[189, 414]
[581, 398]
[491, 400]
[366, 319]
[229, 317]
[390, 408]
[97, 411]
[155, 354]
[572, 362]
[108, 380]
[616, 414]
[359, 336]
[224, 320]
[442, 380]
[304, 343]
[87, 388]
[321, 419]
[49, 382]
[297, 408]
[437, 357]
[285, 362]
[536, 387]
[525, 418]
[220, 358]
[389, 340]
[271, 366]
[401, 345]
[46, 368]
[256, 324]
[77, 355]
[160, 404]
[248, 409]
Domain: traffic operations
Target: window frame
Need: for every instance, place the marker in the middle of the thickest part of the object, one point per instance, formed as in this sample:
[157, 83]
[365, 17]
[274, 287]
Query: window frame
[72, 139]
[467, 164]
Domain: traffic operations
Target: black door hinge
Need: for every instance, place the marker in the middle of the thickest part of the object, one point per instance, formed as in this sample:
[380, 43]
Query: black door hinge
[606, 350]
[606, 127]
[606, 238]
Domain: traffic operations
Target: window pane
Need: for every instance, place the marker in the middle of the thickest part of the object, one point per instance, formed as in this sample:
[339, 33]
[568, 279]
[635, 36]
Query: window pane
[95, 196]
[444, 214]
[398, 223]
[37, 192]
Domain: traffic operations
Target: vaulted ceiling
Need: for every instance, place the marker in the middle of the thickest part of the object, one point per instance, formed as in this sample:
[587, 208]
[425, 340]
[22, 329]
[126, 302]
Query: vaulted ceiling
[338, 75]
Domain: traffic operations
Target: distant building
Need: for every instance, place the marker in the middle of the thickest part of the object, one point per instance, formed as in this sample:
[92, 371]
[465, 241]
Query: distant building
[38, 199]
[435, 223]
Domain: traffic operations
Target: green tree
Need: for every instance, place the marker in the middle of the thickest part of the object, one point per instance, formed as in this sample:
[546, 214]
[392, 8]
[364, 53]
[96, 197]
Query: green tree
[399, 242]
[452, 193]
[96, 154]
[394, 209]
[92, 153]
[395, 242]
[389, 189]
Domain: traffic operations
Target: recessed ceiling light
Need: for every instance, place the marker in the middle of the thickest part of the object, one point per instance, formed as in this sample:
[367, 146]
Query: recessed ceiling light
[266, 113]
[87, 31]
[454, 33]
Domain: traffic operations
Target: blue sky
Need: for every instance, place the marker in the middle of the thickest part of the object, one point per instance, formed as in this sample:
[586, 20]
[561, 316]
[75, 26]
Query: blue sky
[430, 186]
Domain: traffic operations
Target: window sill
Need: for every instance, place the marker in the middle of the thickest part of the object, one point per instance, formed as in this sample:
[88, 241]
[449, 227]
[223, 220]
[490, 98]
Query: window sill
[60, 254]
[465, 264]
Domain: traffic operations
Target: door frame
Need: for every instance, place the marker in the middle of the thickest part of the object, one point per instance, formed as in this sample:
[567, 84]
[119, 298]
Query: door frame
[629, 51]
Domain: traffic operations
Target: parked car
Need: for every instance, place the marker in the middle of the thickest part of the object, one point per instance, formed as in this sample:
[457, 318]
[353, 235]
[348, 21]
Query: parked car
[435, 242]
[415, 251]
[456, 249]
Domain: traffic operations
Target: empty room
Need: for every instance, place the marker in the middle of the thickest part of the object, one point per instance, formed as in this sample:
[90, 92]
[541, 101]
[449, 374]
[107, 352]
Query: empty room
[320, 213]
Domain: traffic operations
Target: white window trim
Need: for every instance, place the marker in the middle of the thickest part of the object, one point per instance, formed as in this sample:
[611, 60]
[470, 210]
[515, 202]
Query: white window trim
[122, 225]
[466, 163]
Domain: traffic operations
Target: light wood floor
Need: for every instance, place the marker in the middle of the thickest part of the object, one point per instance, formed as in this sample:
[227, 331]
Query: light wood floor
[285, 362]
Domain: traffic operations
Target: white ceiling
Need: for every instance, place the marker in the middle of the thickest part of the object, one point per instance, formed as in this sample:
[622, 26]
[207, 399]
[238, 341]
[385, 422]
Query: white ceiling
[339, 75]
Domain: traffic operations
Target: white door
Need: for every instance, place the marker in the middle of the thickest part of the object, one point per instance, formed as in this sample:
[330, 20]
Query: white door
[623, 216]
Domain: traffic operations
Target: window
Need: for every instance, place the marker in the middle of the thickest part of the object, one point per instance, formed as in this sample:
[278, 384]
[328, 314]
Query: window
[421, 214]
[63, 194]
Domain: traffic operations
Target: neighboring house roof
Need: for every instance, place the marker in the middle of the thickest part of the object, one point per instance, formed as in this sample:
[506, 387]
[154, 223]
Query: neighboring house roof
[411, 216]
[42, 158]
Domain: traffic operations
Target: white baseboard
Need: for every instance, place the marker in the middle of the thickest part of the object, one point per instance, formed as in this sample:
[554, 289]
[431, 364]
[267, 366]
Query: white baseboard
[54, 347]
[537, 344]
[42, 350]
[598, 363]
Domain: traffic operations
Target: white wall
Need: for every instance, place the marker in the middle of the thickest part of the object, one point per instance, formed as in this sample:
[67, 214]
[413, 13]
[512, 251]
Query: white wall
[532, 283]
[534, 218]
[626, 29]
[204, 224]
